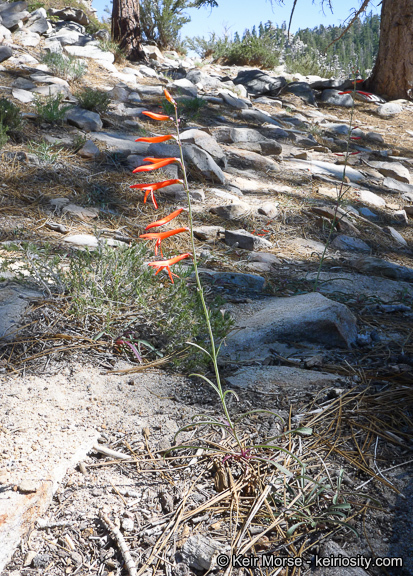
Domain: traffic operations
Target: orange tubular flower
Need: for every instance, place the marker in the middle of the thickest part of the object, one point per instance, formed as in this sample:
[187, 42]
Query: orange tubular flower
[164, 220]
[159, 236]
[157, 163]
[150, 189]
[156, 139]
[155, 116]
[169, 97]
[161, 264]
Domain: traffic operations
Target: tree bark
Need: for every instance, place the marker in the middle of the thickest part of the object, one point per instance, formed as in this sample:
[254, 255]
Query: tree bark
[126, 28]
[392, 75]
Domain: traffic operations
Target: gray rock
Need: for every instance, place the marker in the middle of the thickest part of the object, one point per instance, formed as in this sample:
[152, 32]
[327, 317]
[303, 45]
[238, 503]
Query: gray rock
[377, 267]
[245, 240]
[268, 209]
[22, 95]
[53, 46]
[370, 198]
[122, 143]
[148, 72]
[337, 83]
[234, 211]
[12, 14]
[202, 163]
[80, 211]
[343, 242]
[234, 280]
[46, 79]
[334, 98]
[14, 299]
[233, 101]
[196, 194]
[257, 117]
[89, 150]
[120, 93]
[334, 550]
[208, 233]
[367, 213]
[394, 170]
[206, 142]
[52, 90]
[66, 37]
[301, 89]
[244, 135]
[270, 379]
[70, 15]
[91, 51]
[199, 552]
[264, 258]
[361, 285]
[389, 109]
[26, 38]
[400, 217]
[84, 119]
[309, 318]
[91, 241]
[397, 186]
[5, 53]
[258, 82]
[250, 160]
[374, 137]
[395, 235]
[340, 129]
[184, 87]
[5, 33]
[38, 22]
[328, 169]
[149, 91]
[23, 83]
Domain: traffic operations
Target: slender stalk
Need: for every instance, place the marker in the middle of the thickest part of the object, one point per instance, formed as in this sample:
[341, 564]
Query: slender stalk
[340, 195]
[199, 284]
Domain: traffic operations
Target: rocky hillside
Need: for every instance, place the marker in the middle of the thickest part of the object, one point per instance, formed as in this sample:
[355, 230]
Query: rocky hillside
[308, 248]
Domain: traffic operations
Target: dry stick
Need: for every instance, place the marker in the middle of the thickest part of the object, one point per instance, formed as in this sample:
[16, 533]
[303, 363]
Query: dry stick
[356, 15]
[123, 547]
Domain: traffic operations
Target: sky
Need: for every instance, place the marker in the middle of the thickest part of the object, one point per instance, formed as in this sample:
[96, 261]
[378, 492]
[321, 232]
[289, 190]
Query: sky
[237, 15]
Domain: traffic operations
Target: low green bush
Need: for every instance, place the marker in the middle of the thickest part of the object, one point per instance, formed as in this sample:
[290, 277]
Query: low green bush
[50, 109]
[3, 135]
[262, 51]
[187, 107]
[67, 67]
[9, 115]
[92, 99]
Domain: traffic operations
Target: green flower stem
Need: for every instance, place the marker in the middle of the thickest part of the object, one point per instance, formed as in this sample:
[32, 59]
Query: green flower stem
[339, 197]
[214, 355]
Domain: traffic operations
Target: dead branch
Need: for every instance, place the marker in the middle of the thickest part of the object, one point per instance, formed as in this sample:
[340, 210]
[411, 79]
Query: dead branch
[123, 547]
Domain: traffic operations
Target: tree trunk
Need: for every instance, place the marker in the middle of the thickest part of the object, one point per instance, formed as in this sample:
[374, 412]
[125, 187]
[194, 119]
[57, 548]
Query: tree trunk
[392, 75]
[126, 28]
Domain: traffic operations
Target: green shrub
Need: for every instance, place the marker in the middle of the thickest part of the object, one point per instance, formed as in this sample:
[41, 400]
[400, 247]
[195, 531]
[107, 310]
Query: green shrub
[3, 135]
[67, 67]
[111, 46]
[9, 115]
[35, 5]
[50, 109]
[95, 100]
[261, 51]
[251, 51]
[113, 292]
[161, 21]
[308, 62]
[48, 153]
[189, 107]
